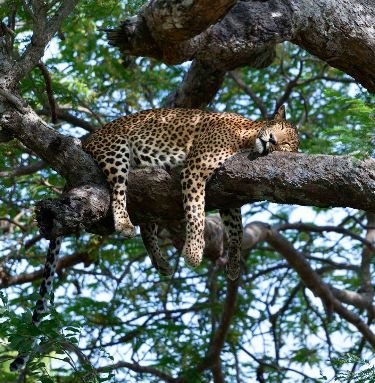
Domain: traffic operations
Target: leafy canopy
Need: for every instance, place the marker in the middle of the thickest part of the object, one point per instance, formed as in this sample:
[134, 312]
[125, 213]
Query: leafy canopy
[114, 307]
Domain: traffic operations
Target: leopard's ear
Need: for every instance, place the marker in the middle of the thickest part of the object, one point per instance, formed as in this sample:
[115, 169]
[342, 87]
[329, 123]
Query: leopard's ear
[280, 114]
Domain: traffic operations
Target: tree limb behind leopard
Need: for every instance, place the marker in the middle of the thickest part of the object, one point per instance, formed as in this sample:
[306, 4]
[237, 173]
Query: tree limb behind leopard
[198, 140]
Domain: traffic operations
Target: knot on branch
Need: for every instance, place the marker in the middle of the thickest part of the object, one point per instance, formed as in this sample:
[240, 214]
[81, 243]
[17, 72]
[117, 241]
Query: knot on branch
[6, 135]
[133, 37]
[83, 207]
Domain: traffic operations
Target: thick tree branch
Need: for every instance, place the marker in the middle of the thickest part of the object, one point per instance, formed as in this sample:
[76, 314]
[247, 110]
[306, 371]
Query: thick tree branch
[279, 177]
[359, 300]
[179, 20]
[13, 100]
[343, 39]
[213, 46]
[63, 153]
[198, 87]
[155, 195]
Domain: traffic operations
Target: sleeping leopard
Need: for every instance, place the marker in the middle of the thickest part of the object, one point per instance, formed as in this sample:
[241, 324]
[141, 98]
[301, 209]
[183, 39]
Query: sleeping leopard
[199, 141]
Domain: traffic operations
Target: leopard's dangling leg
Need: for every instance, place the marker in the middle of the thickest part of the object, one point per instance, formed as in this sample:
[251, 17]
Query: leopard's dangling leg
[232, 221]
[116, 171]
[149, 234]
[41, 304]
[194, 215]
[199, 166]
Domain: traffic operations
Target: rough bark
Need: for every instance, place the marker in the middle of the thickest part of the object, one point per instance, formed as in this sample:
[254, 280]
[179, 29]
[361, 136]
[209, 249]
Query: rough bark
[340, 32]
[179, 20]
[155, 195]
[278, 177]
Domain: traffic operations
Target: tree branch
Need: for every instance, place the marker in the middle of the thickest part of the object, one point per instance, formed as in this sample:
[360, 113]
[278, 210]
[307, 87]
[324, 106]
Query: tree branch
[198, 87]
[229, 308]
[63, 153]
[138, 368]
[212, 46]
[13, 100]
[179, 20]
[367, 257]
[49, 90]
[43, 31]
[312, 280]
[320, 229]
[235, 76]
[212, 357]
[258, 27]
[63, 114]
[155, 195]
[359, 300]
[7, 280]
[23, 170]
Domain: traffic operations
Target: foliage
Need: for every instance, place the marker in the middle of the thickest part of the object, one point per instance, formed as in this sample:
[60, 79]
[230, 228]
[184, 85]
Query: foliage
[114, 307]
[366, 374]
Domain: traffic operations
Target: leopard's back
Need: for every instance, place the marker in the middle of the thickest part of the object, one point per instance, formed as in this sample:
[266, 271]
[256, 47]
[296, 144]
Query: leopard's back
[160, 137]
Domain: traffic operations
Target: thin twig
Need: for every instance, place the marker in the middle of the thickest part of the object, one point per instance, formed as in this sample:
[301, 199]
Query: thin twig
[51, 98]
[313, 281]
[320, 229]
[138, 368]
[23, 170]
[247, 89]
[14, 100]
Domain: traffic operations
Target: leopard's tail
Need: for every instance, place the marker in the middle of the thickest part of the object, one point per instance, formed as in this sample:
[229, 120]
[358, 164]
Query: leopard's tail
[41, 305]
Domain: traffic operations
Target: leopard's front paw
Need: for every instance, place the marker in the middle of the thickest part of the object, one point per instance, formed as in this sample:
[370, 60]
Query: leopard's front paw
[125, 228]
[192, 253]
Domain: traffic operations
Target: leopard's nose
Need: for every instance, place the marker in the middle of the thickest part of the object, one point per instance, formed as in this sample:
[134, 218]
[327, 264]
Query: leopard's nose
[272, 140]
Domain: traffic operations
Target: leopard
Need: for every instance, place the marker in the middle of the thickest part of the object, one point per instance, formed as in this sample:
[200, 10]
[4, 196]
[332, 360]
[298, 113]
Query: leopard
[196, 140]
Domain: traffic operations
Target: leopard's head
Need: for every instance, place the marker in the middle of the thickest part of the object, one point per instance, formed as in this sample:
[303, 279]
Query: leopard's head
[277, 135]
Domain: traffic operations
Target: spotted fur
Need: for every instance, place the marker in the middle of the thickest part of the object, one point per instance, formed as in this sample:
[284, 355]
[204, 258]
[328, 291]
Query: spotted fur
[41, 305]
[199, 141]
